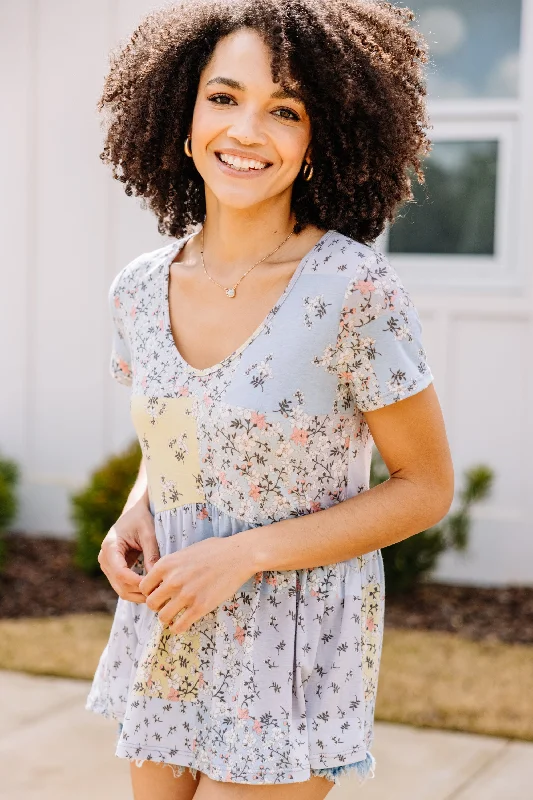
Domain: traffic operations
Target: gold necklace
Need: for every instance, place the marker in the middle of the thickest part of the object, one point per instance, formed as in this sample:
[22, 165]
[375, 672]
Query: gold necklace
[232, 290]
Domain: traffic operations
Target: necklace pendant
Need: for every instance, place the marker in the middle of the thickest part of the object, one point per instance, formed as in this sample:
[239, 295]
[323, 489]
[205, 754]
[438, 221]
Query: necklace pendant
[230, 292]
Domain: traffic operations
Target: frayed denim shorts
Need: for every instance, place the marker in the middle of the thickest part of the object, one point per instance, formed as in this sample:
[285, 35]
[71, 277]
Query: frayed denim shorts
[362, 770]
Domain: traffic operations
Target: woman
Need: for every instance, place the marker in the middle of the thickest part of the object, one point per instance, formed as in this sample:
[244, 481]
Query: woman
[267, 346]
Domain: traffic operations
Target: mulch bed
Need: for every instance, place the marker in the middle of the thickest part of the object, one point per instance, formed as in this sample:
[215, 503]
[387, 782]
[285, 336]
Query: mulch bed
[482, 614]
[39, 579]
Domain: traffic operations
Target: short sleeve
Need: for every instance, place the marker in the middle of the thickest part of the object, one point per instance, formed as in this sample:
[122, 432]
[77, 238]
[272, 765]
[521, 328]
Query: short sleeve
[380, 354]
[120, 362]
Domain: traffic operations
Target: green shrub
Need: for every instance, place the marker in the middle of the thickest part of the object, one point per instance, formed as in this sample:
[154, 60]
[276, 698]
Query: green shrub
[9, 475]
[98, 506]
[408, 561]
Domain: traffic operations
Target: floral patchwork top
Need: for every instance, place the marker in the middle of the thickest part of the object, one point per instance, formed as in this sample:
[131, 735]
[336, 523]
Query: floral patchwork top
[279, 683]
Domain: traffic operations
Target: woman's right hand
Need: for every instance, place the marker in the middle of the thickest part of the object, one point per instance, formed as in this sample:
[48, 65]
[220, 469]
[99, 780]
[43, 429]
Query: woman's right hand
[132, 534]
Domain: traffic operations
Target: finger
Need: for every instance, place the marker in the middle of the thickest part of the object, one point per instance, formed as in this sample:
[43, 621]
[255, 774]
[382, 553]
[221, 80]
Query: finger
[116, 568]
[125, 582]
[169, 611]
[126, 592]
[150, 548]
[157, 599]
[127, 578]
[115, 557]
[133, 597]
[153, 578]
[185, 620]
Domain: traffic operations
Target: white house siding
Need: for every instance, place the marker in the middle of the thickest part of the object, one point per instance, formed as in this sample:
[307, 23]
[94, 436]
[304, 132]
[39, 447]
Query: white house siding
[67, 228]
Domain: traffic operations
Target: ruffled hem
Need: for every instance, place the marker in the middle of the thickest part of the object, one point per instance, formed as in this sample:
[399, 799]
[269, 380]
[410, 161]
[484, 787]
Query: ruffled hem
[364, 770]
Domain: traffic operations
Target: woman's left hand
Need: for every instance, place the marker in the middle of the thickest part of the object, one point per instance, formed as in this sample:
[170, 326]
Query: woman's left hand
[197, 579]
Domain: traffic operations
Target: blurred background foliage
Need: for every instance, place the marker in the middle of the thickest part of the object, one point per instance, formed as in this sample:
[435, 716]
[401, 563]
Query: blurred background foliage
[97, 507]
[9, 476]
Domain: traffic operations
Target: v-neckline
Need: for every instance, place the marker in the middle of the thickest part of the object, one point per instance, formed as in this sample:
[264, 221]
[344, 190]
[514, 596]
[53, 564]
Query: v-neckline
[175, 249]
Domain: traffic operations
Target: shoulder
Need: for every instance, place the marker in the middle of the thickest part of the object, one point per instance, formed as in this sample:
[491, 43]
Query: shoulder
[138, 271]
[360, 272]
[340, 255]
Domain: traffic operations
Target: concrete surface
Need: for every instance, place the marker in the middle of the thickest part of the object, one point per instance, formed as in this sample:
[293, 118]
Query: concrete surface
[52, 749]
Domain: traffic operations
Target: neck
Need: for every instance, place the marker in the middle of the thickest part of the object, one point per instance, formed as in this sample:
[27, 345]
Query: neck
[236, 238]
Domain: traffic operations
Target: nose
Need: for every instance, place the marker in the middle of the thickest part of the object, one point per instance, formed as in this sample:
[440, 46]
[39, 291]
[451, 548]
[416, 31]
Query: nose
[247, 129]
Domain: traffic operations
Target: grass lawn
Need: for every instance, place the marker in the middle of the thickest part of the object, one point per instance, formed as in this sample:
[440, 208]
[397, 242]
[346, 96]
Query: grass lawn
[441, 680]
[427, 679]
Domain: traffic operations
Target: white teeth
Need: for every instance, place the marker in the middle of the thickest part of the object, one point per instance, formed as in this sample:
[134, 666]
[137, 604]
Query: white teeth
[242, 164]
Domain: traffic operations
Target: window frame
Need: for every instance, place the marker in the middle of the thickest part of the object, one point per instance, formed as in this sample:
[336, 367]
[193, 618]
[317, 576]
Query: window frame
[469, 121]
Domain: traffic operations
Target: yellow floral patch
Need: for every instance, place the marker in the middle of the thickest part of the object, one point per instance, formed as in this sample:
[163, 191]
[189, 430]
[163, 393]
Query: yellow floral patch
[371, 629]
[169, 668]
[166, 428]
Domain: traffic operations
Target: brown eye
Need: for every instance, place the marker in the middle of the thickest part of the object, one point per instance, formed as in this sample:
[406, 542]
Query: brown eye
[288, 113]
[220, 99]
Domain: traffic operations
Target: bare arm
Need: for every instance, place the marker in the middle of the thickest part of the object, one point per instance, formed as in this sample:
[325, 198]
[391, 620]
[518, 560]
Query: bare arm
[411, 438]
[140, 488]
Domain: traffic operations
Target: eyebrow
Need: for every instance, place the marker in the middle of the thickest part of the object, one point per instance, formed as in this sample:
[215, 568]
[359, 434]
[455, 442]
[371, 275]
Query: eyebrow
[281, 94]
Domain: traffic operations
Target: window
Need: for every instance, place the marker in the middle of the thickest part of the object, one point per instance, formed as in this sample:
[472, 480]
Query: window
[454, 212]
[462, 227]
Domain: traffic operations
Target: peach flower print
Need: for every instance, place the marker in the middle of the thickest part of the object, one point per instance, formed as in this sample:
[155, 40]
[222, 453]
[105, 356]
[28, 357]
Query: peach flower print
[257, 726]
[222, 478]
[254, 492]
[365, 286]
[242, 713]
[299, 436]
[203, 513]
[117, 302]
[259, 420]
[124, 367]
[239, 634]
[370, 624]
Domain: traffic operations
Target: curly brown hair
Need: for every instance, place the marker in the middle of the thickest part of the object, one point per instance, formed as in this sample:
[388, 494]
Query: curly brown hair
[359, 68]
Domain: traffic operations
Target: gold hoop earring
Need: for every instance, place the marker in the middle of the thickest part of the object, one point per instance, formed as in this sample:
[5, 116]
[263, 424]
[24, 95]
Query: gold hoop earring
[308, 171]
[187, 147]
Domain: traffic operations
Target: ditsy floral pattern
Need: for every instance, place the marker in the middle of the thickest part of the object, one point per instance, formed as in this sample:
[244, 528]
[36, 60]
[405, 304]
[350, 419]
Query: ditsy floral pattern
[279, 682]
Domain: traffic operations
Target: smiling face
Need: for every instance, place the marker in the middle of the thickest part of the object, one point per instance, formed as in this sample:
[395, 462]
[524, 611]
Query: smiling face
[249, 135]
